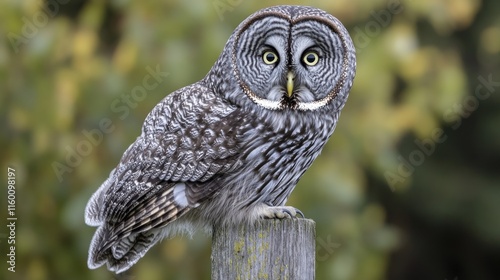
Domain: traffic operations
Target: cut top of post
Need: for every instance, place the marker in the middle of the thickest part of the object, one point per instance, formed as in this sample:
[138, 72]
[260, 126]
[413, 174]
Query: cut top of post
[269, 249]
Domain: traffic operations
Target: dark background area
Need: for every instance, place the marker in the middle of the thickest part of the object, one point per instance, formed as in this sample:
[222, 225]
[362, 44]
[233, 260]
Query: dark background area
[407, 188]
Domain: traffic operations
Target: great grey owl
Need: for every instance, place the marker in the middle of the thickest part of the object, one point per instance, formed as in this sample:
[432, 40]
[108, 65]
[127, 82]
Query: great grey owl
[231, 147]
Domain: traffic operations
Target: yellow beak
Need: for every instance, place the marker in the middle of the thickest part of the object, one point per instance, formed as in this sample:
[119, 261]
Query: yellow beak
[289, 83]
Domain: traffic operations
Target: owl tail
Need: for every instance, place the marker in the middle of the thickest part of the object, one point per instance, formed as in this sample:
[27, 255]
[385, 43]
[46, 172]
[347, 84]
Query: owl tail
[121, 254]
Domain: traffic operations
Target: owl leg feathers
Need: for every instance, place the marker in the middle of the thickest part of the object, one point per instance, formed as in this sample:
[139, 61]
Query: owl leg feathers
[123, 253]
[279, 212]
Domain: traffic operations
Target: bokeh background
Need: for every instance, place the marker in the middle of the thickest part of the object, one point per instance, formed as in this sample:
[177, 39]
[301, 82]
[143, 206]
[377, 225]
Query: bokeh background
[407, 188]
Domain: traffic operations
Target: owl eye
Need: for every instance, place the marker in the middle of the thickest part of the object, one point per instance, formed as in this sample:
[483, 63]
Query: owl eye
[311, 58]
[270, 57]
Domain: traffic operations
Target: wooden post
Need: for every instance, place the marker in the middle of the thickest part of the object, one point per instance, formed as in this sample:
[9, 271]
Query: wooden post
[270, 249]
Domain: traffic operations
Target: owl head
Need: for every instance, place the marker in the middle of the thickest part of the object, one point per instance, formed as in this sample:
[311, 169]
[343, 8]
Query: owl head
[288, 58]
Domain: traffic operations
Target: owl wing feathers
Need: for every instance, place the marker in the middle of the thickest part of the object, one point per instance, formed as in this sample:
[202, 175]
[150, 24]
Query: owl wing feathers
[188, 139]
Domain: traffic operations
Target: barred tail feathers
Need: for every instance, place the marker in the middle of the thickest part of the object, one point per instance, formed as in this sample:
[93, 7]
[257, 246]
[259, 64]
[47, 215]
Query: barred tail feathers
[123, 253]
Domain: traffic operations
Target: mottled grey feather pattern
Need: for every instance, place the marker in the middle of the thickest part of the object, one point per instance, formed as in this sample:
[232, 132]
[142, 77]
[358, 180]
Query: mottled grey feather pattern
[231, 147]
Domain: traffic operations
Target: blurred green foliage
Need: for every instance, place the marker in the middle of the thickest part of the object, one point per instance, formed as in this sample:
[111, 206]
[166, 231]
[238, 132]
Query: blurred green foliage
[407, 188]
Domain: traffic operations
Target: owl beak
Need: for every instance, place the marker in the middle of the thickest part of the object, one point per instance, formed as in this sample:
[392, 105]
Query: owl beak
[289, 83]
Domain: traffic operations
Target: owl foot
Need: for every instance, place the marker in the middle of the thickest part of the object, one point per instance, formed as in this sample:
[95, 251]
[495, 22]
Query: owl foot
[280, 212]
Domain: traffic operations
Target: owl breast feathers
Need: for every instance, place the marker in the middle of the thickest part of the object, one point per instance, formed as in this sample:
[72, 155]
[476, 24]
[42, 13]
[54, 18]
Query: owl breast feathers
[231, 147]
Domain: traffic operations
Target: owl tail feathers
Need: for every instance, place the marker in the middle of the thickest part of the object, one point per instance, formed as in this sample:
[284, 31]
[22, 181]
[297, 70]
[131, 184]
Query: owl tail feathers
[121, 254]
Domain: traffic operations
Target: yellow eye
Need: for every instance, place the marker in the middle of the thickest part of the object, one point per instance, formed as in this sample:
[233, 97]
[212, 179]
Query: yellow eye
[311, 58]
[270, 57]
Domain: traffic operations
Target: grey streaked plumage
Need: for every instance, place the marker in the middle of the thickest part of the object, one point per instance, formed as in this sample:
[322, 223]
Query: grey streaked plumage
[231, 147]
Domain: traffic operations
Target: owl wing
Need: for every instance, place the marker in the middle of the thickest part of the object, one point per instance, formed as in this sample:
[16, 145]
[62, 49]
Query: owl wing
[188, 140]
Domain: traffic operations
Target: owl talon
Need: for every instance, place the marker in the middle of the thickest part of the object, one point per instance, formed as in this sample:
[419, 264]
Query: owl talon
[281, 212]
[300, 213]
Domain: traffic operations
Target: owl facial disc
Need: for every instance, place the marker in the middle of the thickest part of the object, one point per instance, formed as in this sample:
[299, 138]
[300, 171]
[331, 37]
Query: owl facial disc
[293, 60]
